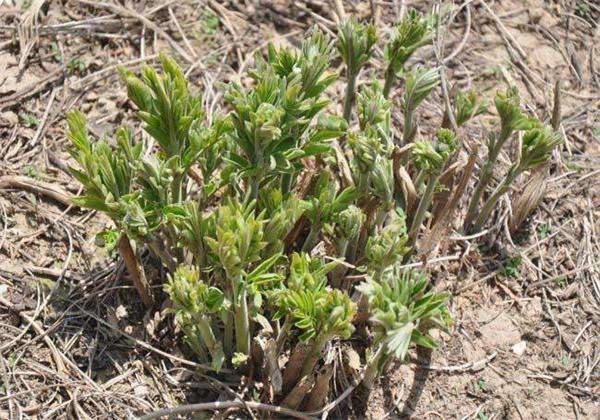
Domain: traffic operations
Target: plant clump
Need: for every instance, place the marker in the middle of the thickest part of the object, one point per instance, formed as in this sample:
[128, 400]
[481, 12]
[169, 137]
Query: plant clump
[265, 214]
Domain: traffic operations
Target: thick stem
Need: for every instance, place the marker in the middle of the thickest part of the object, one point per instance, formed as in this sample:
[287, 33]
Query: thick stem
[363, 183]
[409, 132]
[208, 337]
[419, 181]
[177, 187]
[254, 184]
[283, 333]
[242, 323]
[422, 209]
[311, 239]
[228, 334]
[338, 272]
[314, 354]
[286, 183]
[195, 342]
[493, 199]
[350, 91]
[136, 271]
[157, 248]
[381, 216]
[373, 369]
[390, 79]
[485, 178]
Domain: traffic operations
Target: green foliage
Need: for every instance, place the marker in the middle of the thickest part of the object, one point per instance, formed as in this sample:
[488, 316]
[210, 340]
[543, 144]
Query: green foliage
[348, 222]
[263, 215]
[272, 120]
[537, 147]
[325, 204]
[76, 65]
[31, 171]
[355, 43]
[209, 22]
[193, 300]
[56, 54]
[238, 239]
[107, 174]
[410, 34]
[511, 117]
[467, 105]
[389, 246]
[108, 240]
[512, 267]
[318, 312]
[543, 231]
[171, 114]
[373, 108]
[30, 121]
[418, 85]
[403, 310]
[430, 157]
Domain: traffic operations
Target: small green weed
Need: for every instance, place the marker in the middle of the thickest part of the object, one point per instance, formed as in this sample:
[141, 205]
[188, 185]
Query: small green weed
[482, 385]
[512, 267]
[56, 54]
[209, 23]
[29, 120]
[31, 171]
[543, 231]
[76, 66]
[108, 241]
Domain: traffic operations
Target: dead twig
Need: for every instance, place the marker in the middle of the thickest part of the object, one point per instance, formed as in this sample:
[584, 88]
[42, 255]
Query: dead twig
[124, 12]
[39, 187]
[224, 405]
[470, 366]
[32, 89]
[42, 126]
[503, 29]
[465, 36]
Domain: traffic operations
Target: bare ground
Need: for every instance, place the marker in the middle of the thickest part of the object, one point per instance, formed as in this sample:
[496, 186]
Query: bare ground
[76, 344]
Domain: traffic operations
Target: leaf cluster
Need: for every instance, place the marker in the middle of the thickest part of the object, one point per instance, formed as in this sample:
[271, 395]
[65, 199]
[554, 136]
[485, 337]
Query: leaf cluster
[264, 214]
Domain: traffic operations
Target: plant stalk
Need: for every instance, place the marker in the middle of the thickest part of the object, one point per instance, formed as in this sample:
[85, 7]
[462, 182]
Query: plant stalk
[422, 210]
[208, 337]
[373, 369]
[283, 333]
[157, 248]
[314, 354]
[136, 271]
[409, 132]
[350, 91]
[338, 272]
[491, 202]
[242, 323]
[311, 239]
[195, 342]
[228, 335]
[485, 178]
[254, 184]
[390, 79]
